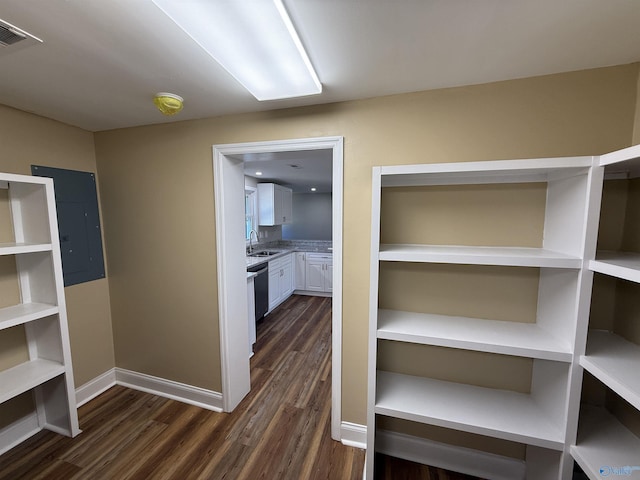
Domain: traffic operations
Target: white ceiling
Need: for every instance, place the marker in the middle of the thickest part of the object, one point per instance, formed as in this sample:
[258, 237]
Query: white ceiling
[103, 60]
[299, 170]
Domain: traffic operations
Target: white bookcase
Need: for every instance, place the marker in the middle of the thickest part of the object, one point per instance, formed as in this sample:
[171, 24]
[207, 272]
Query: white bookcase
[604, 443]
[545, 419]
[41, 310]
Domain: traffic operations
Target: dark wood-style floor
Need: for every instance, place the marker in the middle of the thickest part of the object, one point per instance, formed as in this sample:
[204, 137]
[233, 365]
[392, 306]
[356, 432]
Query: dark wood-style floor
[281, 430]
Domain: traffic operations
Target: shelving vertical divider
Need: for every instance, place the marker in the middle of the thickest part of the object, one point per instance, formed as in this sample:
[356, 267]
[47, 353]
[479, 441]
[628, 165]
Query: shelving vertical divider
[588, 250]
[373, 335]
[41, 309]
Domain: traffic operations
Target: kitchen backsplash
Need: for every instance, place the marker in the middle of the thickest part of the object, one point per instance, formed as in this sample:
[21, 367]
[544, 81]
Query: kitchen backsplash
[305, 245]
[302, 245]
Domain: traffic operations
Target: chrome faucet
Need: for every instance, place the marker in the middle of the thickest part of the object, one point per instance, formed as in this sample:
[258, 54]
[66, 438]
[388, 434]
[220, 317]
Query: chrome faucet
[250, 244]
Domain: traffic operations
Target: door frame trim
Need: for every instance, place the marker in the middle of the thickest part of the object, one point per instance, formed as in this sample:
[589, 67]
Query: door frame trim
[232, 389]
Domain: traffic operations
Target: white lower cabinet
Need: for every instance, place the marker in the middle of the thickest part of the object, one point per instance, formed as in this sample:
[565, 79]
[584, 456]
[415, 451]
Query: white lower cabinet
[301, 271]
[319, 272]
[280, 280]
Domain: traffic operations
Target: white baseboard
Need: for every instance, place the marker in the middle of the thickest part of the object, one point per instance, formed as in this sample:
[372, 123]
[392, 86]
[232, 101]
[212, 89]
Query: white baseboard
[95, 387]
[353, 435]
[311, 293]
[18, 432]
[147, 383]
[450, 457]
[181, 392]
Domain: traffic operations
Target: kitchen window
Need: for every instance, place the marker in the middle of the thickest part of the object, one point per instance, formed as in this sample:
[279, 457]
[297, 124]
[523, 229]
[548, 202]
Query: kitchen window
[250, 211]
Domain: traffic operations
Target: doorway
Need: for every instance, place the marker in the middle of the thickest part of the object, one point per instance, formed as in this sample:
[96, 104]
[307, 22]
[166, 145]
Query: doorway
[230, 245]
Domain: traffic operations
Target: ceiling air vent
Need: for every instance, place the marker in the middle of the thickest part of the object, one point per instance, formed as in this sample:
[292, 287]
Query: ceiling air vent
[10, 35]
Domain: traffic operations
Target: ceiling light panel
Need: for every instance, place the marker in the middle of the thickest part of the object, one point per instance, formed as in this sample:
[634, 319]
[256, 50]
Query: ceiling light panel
[254, 40]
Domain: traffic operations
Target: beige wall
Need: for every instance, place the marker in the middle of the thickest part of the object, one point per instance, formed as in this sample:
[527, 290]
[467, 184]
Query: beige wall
[28, 139]
[636, 125]
[157, 195]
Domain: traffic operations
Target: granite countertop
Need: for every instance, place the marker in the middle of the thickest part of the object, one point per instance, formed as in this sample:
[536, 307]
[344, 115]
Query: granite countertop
[253, 261]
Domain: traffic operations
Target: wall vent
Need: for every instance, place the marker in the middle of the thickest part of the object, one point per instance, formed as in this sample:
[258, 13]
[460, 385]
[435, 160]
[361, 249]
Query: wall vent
[11, 35]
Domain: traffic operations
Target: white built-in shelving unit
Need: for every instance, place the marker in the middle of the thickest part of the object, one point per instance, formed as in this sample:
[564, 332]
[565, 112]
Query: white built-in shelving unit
[41, 309]
[545, 419]
[604, 443]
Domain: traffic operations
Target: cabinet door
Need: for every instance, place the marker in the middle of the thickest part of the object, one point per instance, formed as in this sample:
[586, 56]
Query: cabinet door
[274, 285]
[277, 204]
[266, 204]
[328, 276]
[301, 271]
[287, 206]
[286, 279]
[315, 271]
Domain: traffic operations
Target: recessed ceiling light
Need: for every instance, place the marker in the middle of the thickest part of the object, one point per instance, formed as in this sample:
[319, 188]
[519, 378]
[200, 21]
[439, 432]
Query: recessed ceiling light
[313, 189]
[254, 41]
[258, 173]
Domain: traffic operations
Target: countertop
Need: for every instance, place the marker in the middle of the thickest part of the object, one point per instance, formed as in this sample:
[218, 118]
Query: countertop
[253, 261]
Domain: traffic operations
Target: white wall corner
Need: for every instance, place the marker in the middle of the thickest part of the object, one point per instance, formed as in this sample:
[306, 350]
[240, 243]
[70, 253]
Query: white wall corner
[95, 387]
[181, 392]
[18, 432]
[353, 435]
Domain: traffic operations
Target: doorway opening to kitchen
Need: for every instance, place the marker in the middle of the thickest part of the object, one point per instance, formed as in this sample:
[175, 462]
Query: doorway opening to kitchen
[229, 187]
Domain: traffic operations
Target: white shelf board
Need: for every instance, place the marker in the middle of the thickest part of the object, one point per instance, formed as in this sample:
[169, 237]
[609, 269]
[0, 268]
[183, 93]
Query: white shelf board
[20, 248]
[625, 265]
[603, 443]
[629, 156]
[495, 336]
[25, 312]
[615, 362]
[485, 411]
[501, 171]
[26, 376]
[458, 254]
[18, 178]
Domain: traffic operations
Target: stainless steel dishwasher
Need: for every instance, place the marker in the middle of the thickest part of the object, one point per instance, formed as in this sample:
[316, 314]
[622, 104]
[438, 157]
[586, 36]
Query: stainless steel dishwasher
[261, 288]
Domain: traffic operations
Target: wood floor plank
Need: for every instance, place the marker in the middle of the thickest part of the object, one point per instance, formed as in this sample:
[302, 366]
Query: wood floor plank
[280, 431]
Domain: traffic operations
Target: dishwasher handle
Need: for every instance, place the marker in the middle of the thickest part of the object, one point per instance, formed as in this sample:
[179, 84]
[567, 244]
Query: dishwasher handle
[257, 269]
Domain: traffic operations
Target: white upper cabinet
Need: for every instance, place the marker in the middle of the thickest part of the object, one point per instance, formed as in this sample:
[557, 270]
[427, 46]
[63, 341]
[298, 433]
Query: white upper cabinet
[274, 204]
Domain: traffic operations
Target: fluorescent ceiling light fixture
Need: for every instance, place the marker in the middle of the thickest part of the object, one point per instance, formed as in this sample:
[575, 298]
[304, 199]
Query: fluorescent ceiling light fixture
[254, 40]
[313, 189]
[258, 173]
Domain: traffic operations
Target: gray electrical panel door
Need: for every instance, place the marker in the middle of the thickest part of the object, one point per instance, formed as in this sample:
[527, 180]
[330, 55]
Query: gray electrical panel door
[78, 223]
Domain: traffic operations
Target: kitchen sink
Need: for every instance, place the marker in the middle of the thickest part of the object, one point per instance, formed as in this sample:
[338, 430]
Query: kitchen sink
[264, 253]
